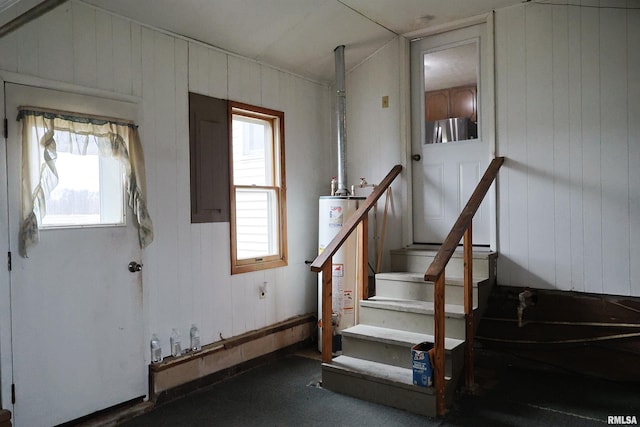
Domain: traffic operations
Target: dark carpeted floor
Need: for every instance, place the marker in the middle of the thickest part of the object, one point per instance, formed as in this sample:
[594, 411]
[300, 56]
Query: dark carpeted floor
[513, 392]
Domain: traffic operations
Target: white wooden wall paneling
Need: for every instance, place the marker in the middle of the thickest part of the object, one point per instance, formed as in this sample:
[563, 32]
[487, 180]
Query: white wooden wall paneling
[270, 89]
[561, 149]
[175, 293]
[162, 303]
[200, 233]
[218, 74]
[591, 132]
[105, 78]
[633, 28]
[136, 60]
[539, 140]
[5, 290]
[122, 56]
[193, 290]
[614, 151]
[576, 150]
[503, 145]
[9, 47]
[518, 233]
[216, 277]
[198, 69]
[55, 34]
[579, 78]
[27, 40]
[244, 80]
[239, 303]
[85, 56]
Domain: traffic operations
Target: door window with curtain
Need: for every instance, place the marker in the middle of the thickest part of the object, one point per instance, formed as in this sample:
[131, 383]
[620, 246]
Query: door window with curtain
[80, 171]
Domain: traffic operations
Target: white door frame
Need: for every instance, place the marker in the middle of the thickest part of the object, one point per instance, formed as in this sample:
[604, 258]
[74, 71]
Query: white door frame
[6, 347]
[488, 109]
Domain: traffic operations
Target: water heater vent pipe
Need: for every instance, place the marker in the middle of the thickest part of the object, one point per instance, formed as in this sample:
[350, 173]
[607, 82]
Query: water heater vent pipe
[341, 121]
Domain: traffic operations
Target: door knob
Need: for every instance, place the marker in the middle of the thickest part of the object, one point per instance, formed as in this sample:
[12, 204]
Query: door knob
[134, 267]
[416, 157]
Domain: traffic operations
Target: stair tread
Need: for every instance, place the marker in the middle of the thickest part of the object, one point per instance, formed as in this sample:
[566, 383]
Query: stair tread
[412, 306]
[396, 336]
[402, 377]
[407, 276]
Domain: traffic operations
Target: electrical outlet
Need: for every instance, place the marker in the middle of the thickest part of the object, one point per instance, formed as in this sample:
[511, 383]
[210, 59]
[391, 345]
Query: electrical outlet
[263, 290]
[385, 101]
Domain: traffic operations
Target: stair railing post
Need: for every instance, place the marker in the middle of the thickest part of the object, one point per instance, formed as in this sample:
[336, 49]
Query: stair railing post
[363, 258]
[468, 307]
[438, 314]
[327, 310]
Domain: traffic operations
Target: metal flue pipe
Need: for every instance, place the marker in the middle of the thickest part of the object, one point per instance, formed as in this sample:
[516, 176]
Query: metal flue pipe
[341, 122]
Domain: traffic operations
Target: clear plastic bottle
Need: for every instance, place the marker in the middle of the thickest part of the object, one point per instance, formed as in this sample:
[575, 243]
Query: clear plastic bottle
[156, 351]
[176, 348]
[195, 338]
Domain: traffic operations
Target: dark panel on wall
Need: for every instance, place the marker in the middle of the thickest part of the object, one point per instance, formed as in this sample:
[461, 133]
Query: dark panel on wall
[209, 152]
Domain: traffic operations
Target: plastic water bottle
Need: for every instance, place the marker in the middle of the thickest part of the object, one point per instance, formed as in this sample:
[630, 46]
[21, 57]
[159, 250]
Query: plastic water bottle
[176, 349]
[156, 351]
[195, 338]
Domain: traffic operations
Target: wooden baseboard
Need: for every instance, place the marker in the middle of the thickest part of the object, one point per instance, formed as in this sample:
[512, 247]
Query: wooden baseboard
[5, 418]
[175, 376]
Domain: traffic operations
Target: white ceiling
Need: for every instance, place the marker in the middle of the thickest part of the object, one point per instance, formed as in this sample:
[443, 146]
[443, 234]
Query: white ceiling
[298, 35]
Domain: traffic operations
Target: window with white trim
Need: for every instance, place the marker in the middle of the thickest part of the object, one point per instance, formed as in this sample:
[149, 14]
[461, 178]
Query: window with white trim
[90, 188]
[76, 170]
[258, 211]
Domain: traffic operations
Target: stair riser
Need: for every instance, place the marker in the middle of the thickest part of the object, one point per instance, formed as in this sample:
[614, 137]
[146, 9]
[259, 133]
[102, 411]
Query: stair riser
[421, 291]
[412, 322]
[455, 268]
[396, 355]
[385, 394]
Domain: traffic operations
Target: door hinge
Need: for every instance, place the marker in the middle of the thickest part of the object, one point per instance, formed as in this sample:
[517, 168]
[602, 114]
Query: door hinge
[9, 260]
[6, 128]
[13, 394]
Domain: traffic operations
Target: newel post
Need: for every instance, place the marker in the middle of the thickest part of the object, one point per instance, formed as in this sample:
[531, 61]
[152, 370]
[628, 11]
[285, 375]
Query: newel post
[438, 369]
[327, 310]
[468, 307]
[363, 257]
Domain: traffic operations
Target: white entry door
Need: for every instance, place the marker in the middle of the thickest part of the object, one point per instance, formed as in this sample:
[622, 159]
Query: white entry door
[76, 310]
[450, 78]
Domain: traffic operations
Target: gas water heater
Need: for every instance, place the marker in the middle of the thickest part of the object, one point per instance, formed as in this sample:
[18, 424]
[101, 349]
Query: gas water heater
[333, 212]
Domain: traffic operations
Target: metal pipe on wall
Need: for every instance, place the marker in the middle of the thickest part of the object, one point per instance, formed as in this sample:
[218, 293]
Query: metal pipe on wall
[341, 122]
[28, 16]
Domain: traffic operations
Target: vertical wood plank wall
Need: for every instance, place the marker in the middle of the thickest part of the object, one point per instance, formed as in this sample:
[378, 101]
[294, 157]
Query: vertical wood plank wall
[568, 81]
[374, 138]
[186, 270]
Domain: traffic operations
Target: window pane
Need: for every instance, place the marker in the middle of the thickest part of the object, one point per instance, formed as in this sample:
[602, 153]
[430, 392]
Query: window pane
[252, 152]
[90, 188]
[76, 199]
[256, 223]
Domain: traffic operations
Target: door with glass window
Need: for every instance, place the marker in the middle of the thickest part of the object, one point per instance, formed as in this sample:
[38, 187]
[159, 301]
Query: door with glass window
[76, 309]
[452, 130]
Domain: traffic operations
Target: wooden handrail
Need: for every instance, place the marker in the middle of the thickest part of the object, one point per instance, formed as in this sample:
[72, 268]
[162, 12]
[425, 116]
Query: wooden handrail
[324, 262]
[435, 273]
[452, 240]
[350, 225]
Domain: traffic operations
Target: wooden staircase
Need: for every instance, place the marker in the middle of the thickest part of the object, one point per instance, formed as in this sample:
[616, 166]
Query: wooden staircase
[404, 307]
[375, 364]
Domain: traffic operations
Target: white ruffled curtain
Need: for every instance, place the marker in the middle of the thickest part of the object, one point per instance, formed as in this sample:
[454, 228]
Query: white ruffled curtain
[117, 139]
